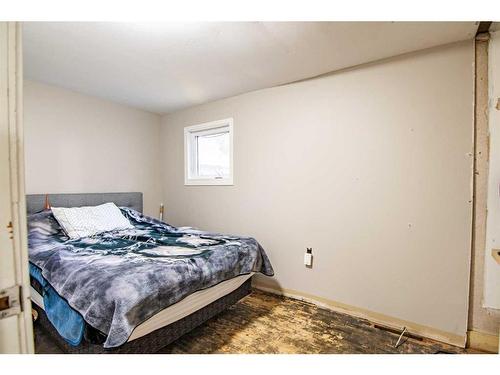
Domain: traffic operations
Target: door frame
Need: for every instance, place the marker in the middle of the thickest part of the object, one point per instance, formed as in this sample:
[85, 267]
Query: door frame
[11, 99]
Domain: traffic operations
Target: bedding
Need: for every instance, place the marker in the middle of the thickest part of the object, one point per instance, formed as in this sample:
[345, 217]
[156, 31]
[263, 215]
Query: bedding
[68, 322]
[116, 280]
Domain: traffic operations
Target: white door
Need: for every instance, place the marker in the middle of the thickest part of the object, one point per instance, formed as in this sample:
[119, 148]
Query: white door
[16, 332]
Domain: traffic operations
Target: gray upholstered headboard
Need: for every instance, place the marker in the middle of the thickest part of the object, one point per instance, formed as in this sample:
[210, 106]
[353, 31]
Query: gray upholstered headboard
[36, 202]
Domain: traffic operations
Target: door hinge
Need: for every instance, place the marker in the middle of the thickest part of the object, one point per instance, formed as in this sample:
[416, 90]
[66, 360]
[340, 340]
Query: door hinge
[10, 301]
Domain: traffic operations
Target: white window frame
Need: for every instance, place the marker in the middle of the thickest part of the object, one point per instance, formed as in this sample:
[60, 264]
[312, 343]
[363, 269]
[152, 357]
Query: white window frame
[190, 155]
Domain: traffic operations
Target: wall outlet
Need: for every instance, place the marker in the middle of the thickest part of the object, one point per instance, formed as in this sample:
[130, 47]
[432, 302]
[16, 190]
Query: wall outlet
[308, 257]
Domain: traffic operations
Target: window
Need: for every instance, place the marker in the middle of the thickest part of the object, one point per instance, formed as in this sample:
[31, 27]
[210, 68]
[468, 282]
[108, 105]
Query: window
[208, 152]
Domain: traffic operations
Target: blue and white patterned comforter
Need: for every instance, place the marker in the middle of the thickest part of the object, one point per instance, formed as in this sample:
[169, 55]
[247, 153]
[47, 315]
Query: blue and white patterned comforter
[117, 280]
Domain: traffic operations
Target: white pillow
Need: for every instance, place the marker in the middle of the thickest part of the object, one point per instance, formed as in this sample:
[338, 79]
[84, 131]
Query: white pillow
[80, 222]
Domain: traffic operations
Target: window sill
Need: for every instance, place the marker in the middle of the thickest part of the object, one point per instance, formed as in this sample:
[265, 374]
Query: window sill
[209, 182]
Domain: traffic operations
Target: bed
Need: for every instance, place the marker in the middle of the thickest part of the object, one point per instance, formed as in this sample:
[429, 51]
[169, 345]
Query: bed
[132, 291]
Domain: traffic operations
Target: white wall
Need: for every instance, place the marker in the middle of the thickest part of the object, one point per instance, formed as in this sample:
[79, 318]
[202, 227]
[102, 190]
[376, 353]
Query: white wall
[76, 143]
[492, 269]
[370, 166]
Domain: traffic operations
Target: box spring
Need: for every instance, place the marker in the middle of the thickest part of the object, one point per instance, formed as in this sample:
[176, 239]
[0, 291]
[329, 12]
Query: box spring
[156, 340]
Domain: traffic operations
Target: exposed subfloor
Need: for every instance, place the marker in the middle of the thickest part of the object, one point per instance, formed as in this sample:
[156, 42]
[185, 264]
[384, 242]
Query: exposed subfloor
[266, 323]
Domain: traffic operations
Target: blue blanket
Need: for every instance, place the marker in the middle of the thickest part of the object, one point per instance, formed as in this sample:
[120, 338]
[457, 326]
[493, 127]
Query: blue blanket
[66, 321]
[116, 280]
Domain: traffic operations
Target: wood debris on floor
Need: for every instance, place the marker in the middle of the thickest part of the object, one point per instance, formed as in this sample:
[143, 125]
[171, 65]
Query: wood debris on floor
[267, 323]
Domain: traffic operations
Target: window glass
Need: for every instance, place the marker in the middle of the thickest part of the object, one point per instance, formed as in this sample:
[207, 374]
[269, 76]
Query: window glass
[213, 155]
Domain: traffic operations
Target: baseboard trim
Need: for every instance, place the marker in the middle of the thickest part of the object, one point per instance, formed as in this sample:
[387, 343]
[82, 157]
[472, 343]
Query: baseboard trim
[373, 317]
[482, 341]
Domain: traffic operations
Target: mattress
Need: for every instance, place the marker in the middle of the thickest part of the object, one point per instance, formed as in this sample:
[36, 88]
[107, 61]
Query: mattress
[179, 310]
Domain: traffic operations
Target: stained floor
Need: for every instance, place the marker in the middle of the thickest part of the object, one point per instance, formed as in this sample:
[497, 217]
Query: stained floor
[266, 323]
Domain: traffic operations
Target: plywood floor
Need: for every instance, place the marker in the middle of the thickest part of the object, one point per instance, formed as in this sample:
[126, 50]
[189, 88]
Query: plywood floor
[266, 323]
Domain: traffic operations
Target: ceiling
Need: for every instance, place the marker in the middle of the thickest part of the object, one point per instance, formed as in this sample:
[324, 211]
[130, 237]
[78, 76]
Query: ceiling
[164, 67]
